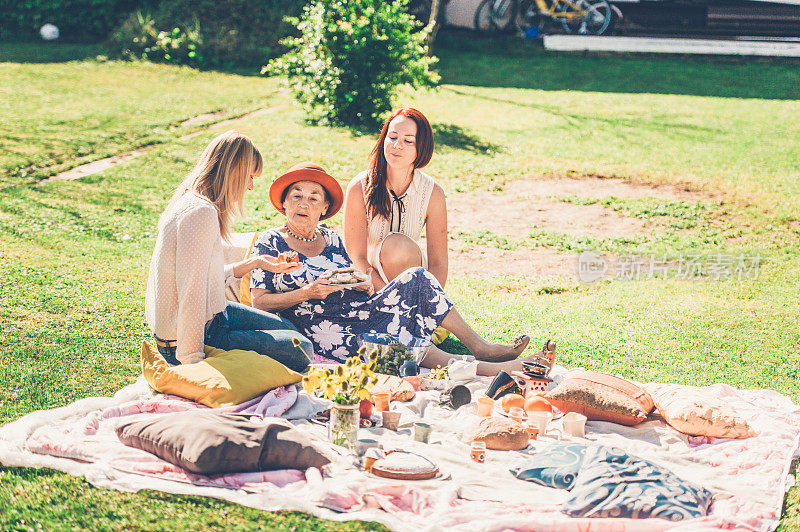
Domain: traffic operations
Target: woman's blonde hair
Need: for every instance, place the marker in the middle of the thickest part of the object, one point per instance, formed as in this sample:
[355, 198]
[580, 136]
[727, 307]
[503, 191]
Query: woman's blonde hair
[221, 175]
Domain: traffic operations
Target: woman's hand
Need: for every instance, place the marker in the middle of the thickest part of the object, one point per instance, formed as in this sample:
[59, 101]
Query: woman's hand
[367, 286]
[321, 288]
[277, 264]
[284, 262]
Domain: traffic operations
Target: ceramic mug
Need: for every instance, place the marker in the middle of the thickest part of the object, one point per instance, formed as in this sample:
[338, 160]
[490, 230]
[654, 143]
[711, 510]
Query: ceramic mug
[381, 401]
[540, 420]
[422, 431]
[485, 406]
[456, 397]
[502, 384]
[575, 424]
[391, 419]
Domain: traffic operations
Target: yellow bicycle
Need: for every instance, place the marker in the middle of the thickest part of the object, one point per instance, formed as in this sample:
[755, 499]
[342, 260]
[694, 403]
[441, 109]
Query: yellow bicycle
[586, 17]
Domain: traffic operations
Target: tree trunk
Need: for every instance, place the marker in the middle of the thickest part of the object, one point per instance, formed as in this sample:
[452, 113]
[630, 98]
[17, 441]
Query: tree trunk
[434, 23]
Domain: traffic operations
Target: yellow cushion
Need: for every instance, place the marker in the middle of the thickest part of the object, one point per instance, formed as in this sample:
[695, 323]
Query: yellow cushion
[224, 378]
[244, 288]
[440, 335]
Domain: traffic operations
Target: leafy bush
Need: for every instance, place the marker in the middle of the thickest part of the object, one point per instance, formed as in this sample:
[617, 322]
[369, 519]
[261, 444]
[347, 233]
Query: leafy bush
[350, 58]
[78, 20]
[214, 33]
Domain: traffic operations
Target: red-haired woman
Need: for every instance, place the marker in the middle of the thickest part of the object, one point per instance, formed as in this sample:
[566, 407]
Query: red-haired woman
[387, 206]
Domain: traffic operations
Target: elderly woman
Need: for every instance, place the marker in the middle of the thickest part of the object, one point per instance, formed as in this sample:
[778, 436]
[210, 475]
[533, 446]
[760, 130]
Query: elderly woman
[333, 316]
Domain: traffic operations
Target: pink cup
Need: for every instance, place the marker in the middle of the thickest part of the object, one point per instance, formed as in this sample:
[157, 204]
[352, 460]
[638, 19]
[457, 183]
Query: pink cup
[381, 401]
[485, 406]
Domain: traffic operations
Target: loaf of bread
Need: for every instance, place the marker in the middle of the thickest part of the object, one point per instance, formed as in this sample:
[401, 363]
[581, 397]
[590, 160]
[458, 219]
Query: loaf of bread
[500, 433]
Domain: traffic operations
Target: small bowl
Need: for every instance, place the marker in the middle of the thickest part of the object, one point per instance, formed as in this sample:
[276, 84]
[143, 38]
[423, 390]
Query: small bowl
[386, 344]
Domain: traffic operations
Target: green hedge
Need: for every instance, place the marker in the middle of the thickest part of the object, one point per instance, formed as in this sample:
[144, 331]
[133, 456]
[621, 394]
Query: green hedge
[78, 20]
[206, 33]
[232, 32]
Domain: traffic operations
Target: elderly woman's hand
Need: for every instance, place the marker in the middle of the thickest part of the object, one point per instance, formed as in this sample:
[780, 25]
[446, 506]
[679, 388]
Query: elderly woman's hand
[367, 286]
[321, 288]
[277, 264]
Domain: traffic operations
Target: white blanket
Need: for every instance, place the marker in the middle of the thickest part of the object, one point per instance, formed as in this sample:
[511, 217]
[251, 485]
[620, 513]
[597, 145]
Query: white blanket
[747, 477]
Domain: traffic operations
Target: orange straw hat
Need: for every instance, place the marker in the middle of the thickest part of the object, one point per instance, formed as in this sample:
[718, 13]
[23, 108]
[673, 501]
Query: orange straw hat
[307, 172]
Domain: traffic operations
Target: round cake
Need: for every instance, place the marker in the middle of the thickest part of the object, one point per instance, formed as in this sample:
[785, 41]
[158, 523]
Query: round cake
[402, 465]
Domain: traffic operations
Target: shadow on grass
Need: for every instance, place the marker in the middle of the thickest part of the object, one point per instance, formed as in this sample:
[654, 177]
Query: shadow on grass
[458, 138]
[42, 52]
[454, 346]
[47, 52]
[467, 58]
[583, 120]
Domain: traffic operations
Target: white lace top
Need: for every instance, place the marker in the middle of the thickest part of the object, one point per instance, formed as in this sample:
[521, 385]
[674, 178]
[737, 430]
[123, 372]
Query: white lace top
[408, 210]
[186, 285]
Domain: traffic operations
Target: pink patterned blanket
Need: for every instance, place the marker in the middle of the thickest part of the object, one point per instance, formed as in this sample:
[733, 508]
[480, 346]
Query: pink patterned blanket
[748, 477]
[92, 438]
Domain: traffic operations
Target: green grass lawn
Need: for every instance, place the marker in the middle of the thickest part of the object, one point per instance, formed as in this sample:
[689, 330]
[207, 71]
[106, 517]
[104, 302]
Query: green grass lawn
[74, 255]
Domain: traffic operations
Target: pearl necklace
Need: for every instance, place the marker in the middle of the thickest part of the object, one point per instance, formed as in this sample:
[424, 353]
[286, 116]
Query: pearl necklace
[313, 238]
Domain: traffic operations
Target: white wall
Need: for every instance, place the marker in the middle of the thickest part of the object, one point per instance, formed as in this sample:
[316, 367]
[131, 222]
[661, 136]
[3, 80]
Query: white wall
[461, 13]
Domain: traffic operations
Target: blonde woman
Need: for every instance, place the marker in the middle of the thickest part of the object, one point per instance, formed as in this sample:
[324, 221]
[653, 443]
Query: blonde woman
[185, 303]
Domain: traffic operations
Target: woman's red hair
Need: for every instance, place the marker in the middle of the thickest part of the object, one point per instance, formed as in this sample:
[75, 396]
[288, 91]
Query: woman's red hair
[377, 192]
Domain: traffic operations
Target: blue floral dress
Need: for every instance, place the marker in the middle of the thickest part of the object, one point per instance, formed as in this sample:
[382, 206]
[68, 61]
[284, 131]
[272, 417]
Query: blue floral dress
[412, 305]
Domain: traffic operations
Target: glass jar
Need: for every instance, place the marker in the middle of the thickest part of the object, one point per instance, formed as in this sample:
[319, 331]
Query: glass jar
[343, 426]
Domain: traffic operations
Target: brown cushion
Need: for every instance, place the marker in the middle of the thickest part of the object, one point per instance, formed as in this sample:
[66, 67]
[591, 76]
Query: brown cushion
[602, 397]
[210, 443]
[500, 433]
[398, 389]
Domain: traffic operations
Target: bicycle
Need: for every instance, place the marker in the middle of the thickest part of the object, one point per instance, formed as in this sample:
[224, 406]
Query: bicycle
[585, 17]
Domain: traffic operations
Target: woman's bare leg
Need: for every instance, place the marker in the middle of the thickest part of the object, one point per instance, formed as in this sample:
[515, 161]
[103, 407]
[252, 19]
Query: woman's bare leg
[436, 357]
[483, 350]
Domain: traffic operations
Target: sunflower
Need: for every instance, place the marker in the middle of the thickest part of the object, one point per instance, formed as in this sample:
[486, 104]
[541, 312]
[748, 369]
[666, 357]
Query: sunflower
[330, 391]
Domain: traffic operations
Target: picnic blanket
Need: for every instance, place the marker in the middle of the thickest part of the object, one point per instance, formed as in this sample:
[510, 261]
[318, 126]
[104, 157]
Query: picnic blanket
[748, 478]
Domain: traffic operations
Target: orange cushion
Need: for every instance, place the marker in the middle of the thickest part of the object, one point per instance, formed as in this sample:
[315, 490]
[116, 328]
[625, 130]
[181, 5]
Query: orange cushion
[244, 288]
[602, 397]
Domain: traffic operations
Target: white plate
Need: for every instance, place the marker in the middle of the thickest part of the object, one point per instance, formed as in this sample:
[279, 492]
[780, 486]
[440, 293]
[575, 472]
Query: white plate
[557, 414]
[353, 285]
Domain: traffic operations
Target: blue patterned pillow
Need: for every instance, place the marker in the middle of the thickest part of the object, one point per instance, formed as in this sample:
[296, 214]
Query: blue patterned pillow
[555, 466]
[613, 483]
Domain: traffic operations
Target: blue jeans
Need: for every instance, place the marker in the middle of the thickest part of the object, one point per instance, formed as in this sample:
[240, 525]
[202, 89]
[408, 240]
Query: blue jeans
[242, 327]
